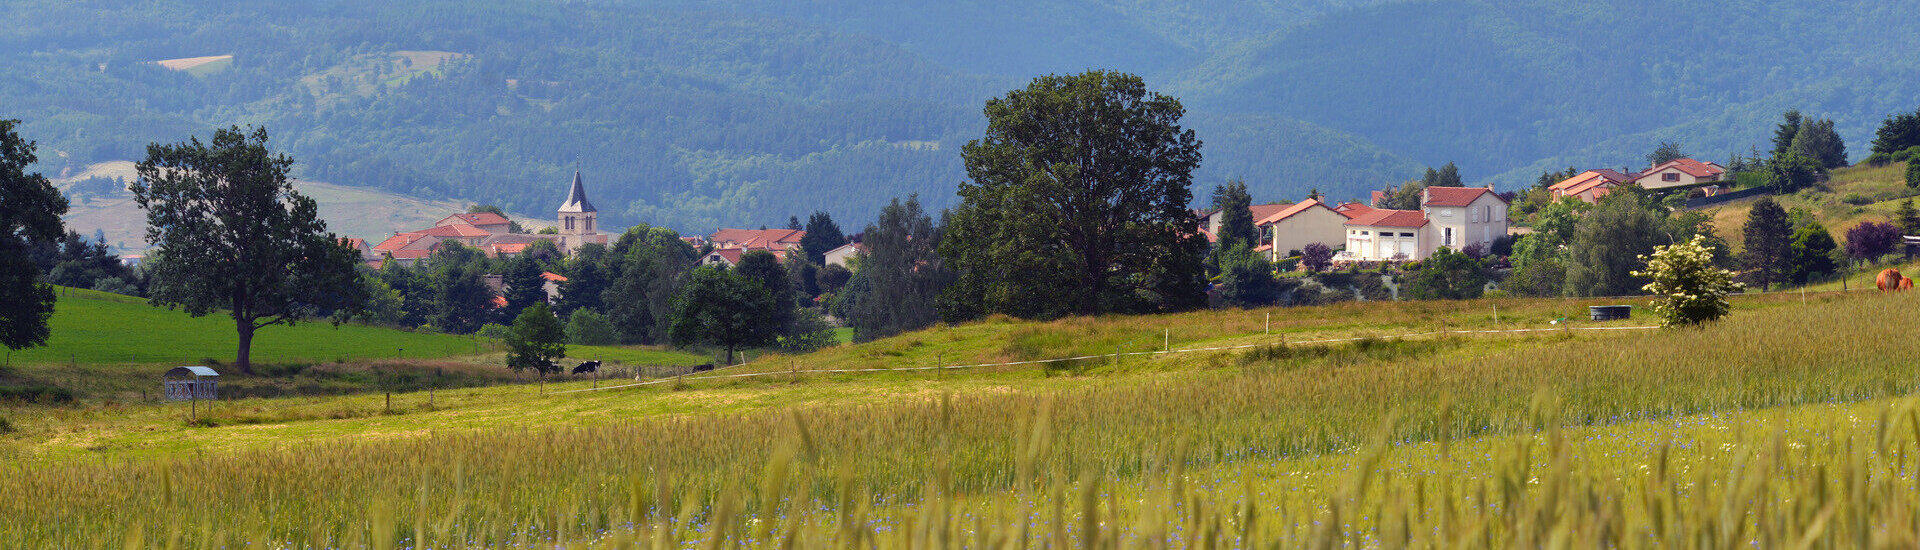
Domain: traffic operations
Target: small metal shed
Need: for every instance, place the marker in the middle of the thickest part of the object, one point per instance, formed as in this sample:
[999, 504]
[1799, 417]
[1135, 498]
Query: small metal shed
[191, 383]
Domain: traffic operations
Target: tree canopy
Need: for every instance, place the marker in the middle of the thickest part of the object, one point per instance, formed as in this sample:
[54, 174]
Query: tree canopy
[1076, 203]
[1232, 203]
[230, 233]
[30, 210]
[903, 271]
[722, 308]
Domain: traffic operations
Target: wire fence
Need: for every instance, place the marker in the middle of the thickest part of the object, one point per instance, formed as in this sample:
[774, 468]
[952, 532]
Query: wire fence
[716, 375]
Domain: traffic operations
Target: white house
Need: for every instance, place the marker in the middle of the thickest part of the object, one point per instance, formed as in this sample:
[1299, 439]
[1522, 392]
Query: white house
[843, 255]
[1680, 172]
[1453, 217]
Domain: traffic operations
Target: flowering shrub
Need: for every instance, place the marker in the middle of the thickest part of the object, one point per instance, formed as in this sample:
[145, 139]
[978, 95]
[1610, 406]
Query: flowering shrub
[1689, 290]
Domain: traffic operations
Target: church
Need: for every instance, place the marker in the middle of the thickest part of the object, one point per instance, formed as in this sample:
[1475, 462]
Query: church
[577, 225]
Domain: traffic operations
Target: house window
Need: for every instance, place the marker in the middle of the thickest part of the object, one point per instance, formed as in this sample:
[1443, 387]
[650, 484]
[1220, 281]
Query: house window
[1365, 233]
[1409, 235]
[1670, 176]
[1449, 236]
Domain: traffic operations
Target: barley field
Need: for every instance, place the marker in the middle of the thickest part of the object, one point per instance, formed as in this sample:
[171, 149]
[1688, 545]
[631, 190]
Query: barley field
[1787, 425]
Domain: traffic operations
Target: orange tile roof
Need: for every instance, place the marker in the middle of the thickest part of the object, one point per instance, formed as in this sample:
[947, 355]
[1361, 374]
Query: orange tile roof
[398, 241]
[1390, 218]
[1455, 196]
[1290, 211]
[454, 230]
[555, 277]
[481, 218]
[1589, 180]
[731, 255]
[507, 248]
[499, 301]
[410, 254]
[758, 238]
[1691, 167]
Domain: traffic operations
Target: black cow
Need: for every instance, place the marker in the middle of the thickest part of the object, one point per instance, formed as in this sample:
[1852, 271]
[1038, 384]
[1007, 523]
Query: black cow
[703, 368]
[545, 367]
[586, 367]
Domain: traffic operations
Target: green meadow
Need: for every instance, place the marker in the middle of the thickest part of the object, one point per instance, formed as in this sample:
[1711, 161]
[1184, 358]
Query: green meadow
[1386, 425]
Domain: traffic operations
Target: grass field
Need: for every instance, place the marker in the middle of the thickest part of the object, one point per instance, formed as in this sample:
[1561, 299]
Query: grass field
[1785, 424]
[1854, 194]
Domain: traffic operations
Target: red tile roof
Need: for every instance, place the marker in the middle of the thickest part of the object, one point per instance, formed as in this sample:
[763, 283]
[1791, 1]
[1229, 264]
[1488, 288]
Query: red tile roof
[1455, 196]
[353, 243]
[1589, 180]
[555, 277]
[398, 241]
[410, 254]
[1290, 211]
[497, 249]
[1264, 211]
[1691, 167]
[1353, 209]
[482, 218]
[499, 301]
[1390, 218]
[454, 230]
[758, 238]
[731, 255]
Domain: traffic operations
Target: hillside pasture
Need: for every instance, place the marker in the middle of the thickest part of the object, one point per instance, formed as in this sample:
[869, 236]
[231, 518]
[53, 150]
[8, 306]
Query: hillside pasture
[1607, 438]
[198, 66]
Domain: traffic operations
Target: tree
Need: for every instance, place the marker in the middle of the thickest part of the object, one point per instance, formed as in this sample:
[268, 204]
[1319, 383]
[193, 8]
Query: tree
[1795, 171]
[722, 308]
[832, 278]
[1246, 277]
[586, 281]
[810, 332]
[231, 233]
[822, 237]
[1607, 241]
[1768, 242]
[1868, 241]
[535, 340]
[1913, 174]
[524, 286]
[639, 299]
[904, 273]
[1077, 204]
[462, 301]
[1906, 218]
[1449, 176]
[1558, 218]
[1316, 257]
[1818, 141]
[587, 327]
[1811, 254]
[1667, 151]
[1689, 289]
[1897, 133]
[1539, 266]
[1784, 133]
[761, 267]
[1407, 195]
[30, 210]
[1446, 275]
[1236, 219]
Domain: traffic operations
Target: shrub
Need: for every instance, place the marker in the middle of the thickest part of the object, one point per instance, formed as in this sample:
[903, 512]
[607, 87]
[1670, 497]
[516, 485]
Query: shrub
[39, 393]
[1913, 174]
[1688, 289]
[1907, 155]
[492, 330]
[589, 328]
[1877, 160]
[1856, 199]
[5, 426]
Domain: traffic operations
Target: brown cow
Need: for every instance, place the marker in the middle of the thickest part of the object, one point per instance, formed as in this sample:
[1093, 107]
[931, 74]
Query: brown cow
[1906, 283]
[1889, 279]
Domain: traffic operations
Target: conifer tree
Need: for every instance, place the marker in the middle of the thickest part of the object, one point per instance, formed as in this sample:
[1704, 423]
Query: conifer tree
[1767, 239]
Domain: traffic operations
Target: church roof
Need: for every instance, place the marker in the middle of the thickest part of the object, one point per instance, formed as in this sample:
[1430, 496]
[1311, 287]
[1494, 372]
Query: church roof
[577, 197]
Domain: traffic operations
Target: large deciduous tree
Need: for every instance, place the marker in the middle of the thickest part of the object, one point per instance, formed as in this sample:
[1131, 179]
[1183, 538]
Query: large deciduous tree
[230, 233]
[652, 262]
[30, 210]
[1868, 241]
[1818, 140]
[722, 308]
[1077, 204]
[1607, 242]
[1768, 242]
[536, 340]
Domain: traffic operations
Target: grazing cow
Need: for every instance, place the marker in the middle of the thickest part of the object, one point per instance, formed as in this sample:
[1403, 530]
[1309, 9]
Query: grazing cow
[1889, 279]
[545, 367]
[1906, 284]
[703, 368]
[586, 367]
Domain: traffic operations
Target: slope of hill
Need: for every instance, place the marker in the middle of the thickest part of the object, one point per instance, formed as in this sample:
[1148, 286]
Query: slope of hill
[1497, 86]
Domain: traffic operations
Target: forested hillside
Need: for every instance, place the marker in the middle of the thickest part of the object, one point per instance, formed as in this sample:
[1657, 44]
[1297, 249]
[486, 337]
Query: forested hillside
[695, 114]
[1535, 84]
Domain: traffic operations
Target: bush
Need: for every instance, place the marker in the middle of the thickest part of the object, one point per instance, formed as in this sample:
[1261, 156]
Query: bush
[1907, 155]
[5, 426]
[1913, 174]
[1877, 160]
[492, 330]
[43, 394]
[589, 328]
[1857, 199]
[810, 332]
[1688, 289]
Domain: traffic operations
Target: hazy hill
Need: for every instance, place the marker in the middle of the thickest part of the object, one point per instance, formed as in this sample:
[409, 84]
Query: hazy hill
[742, 112]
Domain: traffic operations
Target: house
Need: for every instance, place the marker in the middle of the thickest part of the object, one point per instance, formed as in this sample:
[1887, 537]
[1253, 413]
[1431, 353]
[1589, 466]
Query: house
[1589, 185]
[360, 247]
[132, 260]
[489, 232]
[1294, 227]
[725, 257]
[1210, 219]
[552, 284]
[1681, 172]
[844, 254]
[1453, 217]
[757, 239]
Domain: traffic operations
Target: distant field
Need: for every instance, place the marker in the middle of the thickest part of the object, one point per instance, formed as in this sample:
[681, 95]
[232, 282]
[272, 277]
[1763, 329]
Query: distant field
[198, 66]
[1855, 194]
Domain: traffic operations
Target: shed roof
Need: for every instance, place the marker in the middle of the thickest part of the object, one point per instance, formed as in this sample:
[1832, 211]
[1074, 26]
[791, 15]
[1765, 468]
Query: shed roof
[191, 371]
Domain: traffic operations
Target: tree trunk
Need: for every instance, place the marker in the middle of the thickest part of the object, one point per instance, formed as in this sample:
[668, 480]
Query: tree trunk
[729, 355]
[242, 360]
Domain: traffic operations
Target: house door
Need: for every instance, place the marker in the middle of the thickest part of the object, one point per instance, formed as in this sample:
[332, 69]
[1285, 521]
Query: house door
[1406, 247]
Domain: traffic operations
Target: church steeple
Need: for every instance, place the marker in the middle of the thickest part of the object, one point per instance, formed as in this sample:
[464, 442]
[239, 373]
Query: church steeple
[577, 197]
